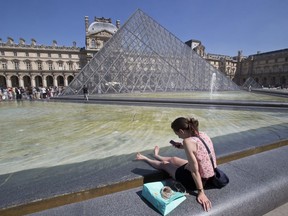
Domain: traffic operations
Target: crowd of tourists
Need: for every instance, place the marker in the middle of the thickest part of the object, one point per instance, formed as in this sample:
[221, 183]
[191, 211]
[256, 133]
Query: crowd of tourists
[29, 93]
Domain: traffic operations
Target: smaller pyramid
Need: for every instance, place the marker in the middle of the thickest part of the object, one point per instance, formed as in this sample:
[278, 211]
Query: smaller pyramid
[250, 82]
[142, 56]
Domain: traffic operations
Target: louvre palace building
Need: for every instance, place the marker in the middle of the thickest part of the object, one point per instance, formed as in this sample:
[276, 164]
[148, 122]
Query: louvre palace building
[29, 64]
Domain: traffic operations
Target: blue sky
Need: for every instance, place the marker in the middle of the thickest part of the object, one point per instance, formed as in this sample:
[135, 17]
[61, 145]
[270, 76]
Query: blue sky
[223, 26]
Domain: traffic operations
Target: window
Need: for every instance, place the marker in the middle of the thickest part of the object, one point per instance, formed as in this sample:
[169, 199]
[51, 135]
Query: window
[93, 44]
[28, 65]
[60, 65]
[50, 66]
[59, 55]
[4, 65]
[49, 55]
[38, 54]
[15, 53]
[39, 65]
[27, 54]
[16, 65]
[70, 66]
[2, 53]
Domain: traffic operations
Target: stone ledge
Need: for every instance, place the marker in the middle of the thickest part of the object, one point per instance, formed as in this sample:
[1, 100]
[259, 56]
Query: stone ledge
[258, 184]
[102, 190]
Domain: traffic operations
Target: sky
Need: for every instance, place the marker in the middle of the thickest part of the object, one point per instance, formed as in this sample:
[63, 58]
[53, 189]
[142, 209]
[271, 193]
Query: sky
[223, 26]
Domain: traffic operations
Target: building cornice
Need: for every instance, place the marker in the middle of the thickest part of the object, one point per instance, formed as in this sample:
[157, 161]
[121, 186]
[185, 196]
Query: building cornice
[38, 47]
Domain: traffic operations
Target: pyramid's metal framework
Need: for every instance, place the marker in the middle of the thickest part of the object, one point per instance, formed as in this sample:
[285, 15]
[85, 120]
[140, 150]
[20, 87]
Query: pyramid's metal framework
[142, 56]
[250, 82]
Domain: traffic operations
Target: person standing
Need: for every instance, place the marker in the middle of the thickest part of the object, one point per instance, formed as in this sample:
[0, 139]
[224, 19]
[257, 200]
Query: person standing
[18, 93]
[85, 92]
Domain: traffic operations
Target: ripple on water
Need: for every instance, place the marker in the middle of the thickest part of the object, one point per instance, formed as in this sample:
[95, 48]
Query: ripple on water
[49, 134]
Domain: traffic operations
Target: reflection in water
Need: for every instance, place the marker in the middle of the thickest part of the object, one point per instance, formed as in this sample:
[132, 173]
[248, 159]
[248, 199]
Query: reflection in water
[45, 134]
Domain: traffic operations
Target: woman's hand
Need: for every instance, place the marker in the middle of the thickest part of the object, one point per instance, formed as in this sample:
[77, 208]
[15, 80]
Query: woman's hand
[204, 201]
[178, 145]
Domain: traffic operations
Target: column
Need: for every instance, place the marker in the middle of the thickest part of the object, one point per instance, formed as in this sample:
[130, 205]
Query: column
[44, 81]
[21, 81]
[65, 80]
[33, 84]
[8, 81]
[55, 81]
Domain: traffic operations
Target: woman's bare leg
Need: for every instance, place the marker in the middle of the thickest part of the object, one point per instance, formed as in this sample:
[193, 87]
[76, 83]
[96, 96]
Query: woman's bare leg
[159, 165]
[154, 163]
[159, 157]
[174, 160]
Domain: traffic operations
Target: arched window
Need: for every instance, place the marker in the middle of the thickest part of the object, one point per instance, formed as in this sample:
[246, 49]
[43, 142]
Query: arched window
[15, 81]
[273, 81]
[3, 83]
[27, 81]
[69, 79]
[60, 81]
[283, 80]
[264, 81]
[38, 81]
[49, 80]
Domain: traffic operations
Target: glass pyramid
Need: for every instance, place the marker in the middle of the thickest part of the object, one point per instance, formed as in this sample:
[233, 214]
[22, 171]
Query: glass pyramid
[142, 56]
[251, 82]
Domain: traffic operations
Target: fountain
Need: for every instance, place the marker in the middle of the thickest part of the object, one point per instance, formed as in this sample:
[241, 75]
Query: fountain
[65, 133]
[213, 83]
[71, 147]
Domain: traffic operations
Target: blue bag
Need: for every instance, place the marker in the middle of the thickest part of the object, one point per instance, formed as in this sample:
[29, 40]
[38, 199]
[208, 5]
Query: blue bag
[152, 193]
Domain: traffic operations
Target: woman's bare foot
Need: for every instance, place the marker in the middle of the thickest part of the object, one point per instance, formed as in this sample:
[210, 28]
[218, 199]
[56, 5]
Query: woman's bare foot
[140, 157]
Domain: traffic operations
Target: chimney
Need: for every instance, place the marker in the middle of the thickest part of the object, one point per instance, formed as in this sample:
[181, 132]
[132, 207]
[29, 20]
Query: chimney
[33, 42]
[86, 23]
[21, 41]
[118, 24]
[10, 41]
[54, 44]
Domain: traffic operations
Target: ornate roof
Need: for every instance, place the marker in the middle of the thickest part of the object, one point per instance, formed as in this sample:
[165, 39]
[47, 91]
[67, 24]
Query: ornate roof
[96, 27]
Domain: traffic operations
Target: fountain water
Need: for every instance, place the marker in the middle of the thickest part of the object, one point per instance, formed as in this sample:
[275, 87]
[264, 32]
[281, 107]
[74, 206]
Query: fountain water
[66, 133]
[213, 83]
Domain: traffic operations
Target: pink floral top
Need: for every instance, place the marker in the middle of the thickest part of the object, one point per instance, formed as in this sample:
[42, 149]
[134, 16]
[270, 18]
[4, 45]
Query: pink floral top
[203, 159]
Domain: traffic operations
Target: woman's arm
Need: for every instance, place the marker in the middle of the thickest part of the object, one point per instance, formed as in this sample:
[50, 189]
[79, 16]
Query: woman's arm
[190, 147]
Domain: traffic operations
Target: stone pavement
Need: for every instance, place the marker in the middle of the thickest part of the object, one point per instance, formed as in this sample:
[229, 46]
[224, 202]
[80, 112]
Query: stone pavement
[280, 211]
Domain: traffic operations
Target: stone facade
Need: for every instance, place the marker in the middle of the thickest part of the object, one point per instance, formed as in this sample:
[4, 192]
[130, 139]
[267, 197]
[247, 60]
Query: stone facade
[226, 64]
[269, 69]
[33, 65]
[25, 65]
[98, 33]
